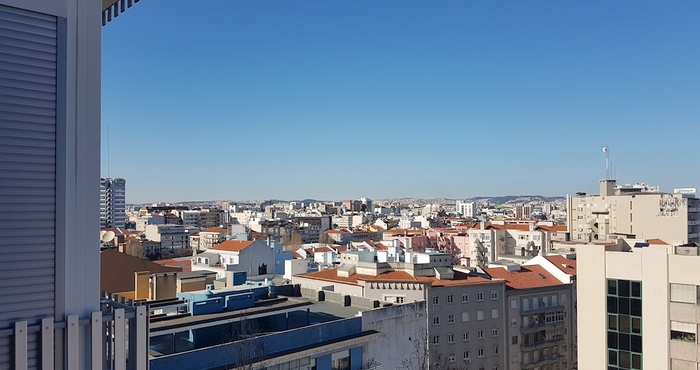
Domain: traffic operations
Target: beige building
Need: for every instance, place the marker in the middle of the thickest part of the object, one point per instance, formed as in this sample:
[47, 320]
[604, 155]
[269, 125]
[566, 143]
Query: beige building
[639, 303]
[633, 211]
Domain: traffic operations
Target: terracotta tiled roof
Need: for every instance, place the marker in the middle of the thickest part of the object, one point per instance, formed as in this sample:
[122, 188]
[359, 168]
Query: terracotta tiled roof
[520, 227]
[331, 275]
[323, 249]
[338, 231]
[555, 228]
[566, 265]
[184, 264]
[219, 230]
[656, 241]
[533, 276]
[232, 245]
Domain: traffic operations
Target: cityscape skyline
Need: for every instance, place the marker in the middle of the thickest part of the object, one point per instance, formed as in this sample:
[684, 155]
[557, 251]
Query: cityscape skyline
[330, 101]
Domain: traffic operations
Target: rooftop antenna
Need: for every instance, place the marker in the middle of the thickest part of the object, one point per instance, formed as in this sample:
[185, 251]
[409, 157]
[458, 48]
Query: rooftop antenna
[607, 162]
[107, 151]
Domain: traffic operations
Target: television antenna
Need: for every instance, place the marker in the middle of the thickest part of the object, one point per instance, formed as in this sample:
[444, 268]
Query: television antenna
[606, 150]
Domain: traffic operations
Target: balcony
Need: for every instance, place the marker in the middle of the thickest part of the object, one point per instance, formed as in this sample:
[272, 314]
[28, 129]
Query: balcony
[541, 309]
[540, 344]
[542, 361]
[114, 338]
[541, 325]
[693, 209]
[693, 222]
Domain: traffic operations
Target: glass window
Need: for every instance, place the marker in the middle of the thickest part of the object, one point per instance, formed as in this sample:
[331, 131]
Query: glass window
[465, 297]
[450, 318]
[494, 313]
[450, 298]
[480, 296]
[480, 315]
[494, 295]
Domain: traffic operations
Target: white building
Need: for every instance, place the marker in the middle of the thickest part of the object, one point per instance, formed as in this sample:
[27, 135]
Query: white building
[112, 202]
[467, 209]
[257, 258]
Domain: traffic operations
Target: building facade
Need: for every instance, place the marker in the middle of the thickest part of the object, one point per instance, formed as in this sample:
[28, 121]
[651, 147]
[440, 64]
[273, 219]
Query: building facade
[633, 211]
[639, 303]
[112, 202]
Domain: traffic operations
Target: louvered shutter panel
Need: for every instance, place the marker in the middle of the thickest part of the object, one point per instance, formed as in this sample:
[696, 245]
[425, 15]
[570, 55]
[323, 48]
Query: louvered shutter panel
[28, 95]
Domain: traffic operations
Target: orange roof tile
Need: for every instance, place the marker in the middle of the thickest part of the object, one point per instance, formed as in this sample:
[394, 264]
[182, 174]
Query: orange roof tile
[557, 228]
[656, 241]
[232, 245]
[533, 276]
[216, 230]
[185, 265]
[566, 265]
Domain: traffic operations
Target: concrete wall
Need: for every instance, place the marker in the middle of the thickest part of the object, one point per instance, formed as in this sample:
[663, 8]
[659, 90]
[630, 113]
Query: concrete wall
[353, 290]
[388, 291]
[398, 323]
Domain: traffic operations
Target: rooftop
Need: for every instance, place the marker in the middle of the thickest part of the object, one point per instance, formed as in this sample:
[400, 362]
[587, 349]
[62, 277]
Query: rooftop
[527, 277]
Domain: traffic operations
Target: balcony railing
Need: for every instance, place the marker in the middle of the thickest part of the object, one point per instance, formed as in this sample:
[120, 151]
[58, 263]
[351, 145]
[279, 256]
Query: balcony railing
[542, 361]
[114, 338]
[541, 325]
[540, 344]
[540, 309]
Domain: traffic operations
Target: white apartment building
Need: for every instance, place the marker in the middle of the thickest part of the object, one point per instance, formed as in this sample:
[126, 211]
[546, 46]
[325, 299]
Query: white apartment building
[633, 211]
[172, 237]
[639, 303]
[467, 209]
[112, 202]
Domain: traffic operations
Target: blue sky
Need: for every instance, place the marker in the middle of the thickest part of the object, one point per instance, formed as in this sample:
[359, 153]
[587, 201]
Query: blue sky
[345, 99]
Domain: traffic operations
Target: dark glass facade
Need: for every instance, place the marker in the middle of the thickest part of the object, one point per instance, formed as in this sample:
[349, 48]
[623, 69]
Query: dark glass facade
[624, 311]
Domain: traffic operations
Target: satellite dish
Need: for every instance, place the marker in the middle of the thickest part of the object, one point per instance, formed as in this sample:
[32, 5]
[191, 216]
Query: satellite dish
[108, 236]
[102, 233]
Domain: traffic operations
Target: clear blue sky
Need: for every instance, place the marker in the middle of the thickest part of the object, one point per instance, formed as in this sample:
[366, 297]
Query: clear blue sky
[344, 99]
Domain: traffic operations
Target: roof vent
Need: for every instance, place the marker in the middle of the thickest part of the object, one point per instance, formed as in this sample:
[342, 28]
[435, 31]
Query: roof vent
[542, 276]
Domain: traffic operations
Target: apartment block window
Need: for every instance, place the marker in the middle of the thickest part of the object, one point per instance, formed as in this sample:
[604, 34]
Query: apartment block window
[450, 298]
[436, 300]
[683, 293]
[480, 296]
[494, 313]
[450, 318]
[480, 315]
[465, 316]
[495, 367]
[479, 334]
[465, 355]
[480, 352]
[494, 295]
[513, 304]
[494, 332]
[450, 338]
[465, 336]
[436, 320]
[513, 322]
[465, 297]
[514, 339]
[436, 339]
[494, 350]
[451, 357]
